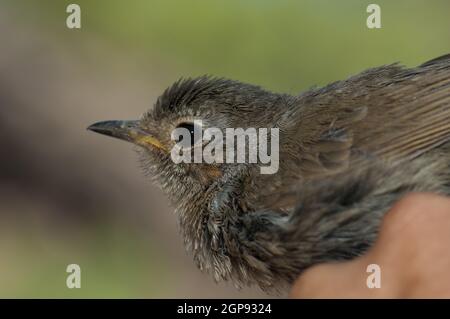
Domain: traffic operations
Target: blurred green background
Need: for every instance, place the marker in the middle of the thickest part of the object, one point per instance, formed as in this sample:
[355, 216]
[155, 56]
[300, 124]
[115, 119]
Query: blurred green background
[67, 196]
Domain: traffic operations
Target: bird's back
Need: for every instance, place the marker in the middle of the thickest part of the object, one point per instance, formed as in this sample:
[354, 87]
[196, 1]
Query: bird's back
[389, 112]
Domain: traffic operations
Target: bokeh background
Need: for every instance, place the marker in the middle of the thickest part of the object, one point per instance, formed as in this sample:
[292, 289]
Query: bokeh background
[69, 196]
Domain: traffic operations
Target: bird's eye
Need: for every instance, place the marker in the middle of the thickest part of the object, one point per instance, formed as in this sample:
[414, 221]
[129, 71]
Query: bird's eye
[195, 134]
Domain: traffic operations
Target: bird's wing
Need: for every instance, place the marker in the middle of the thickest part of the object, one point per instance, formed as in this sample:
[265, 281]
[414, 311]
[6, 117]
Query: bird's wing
[388, 112]
[443, 58]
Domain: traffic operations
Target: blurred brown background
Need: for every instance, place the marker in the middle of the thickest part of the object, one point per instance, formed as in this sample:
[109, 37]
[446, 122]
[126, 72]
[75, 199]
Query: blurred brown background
[69, 196]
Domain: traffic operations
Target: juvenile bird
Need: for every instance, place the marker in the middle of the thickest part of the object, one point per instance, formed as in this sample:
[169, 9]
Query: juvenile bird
[347, 152]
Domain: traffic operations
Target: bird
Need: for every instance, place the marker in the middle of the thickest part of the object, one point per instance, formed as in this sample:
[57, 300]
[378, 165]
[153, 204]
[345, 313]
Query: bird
[347, 152]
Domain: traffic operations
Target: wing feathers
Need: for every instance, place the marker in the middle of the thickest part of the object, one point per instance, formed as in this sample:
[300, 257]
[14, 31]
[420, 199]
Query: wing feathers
[405, 113]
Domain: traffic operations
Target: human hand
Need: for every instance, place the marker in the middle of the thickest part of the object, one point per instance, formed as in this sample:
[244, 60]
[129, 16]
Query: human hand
[412, 250]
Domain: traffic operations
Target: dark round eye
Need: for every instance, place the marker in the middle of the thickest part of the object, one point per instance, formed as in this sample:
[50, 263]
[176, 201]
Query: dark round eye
[195, 133]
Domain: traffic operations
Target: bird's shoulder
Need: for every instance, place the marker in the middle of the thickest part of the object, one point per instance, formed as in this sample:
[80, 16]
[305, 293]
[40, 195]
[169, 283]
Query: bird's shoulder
[389, 112]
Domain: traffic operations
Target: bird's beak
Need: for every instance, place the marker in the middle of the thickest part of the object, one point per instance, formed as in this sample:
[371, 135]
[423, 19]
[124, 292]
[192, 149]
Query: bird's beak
[129, 131]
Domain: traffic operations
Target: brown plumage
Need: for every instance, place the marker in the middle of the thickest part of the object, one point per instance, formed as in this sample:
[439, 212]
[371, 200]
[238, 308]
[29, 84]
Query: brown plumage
[348, 151]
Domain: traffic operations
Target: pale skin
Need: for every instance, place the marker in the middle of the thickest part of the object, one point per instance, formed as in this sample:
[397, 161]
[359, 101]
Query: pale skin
[412, 250]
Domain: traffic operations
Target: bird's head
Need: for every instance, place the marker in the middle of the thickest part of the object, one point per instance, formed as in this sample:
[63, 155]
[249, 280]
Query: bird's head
[209, 197]
[195, 105]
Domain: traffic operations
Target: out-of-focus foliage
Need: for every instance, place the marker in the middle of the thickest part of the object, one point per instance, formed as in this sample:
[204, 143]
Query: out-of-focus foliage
[284, 45]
